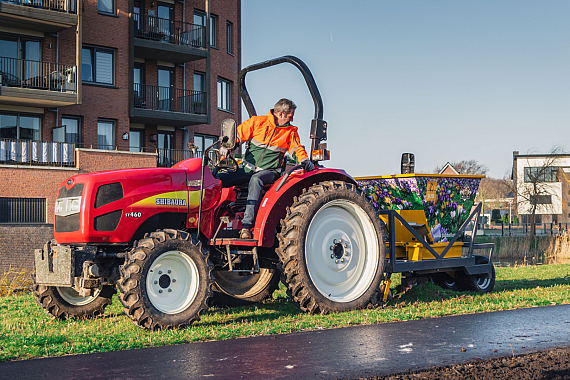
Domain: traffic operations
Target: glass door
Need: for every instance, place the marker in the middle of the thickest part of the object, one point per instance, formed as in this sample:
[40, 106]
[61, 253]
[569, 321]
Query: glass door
[165, 27]
[164, 88]
[165, 144]
[138, 86]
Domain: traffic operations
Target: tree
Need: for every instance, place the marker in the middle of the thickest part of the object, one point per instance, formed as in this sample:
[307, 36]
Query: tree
[467, 167]
[535, 183]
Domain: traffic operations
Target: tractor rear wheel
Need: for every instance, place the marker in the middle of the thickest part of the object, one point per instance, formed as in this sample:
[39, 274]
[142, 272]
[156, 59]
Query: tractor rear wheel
[236, 289]
[63, 303]
[331, 249]
[166, 280]
[481, 283]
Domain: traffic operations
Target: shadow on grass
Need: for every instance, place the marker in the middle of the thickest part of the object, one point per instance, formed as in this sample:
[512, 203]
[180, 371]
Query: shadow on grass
[271, 310]
[502, 285]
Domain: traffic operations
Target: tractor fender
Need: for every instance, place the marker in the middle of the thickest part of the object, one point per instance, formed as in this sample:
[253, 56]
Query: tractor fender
[273, 205]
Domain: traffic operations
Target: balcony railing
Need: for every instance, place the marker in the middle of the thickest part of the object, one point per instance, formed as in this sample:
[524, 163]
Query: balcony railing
[170, 99]
[171, 31]
[67, 6]
[37, 74]
[42, 153]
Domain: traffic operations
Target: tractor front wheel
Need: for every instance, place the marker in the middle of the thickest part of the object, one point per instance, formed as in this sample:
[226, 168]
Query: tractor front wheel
[166, 281]
[63, 303]
[331, 249]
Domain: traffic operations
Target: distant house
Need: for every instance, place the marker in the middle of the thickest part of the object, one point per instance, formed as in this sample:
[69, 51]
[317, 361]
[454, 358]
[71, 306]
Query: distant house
[549, 173]
[448, 169]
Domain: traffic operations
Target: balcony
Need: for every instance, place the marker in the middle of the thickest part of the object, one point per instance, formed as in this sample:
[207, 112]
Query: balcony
[168, 106]
[48, 16]
[36, 153]
[172, 41]
[37, 83]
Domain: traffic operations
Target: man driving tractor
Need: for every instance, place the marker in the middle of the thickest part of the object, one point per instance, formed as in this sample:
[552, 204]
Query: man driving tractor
[268, 138]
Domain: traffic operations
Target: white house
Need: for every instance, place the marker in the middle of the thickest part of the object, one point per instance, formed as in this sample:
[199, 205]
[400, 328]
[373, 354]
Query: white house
[544, 178]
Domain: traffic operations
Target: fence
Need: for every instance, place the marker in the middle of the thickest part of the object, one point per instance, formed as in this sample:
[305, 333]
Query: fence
[40, 75]
[68, 6]
[524, 229]
[26, 152]
[160, 98]
[171, 31]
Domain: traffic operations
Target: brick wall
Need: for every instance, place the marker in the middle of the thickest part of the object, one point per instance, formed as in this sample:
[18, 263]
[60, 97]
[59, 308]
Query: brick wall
[18, 242]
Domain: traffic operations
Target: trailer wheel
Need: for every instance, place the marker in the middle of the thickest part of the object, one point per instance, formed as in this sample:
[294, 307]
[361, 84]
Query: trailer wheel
[166, 280]
[444, 280]
[481, 283]
[331, 249]
[63, 303]
[234, 289]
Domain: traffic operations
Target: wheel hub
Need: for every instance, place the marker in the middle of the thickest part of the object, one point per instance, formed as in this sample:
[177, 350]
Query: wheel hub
[164, 281]
[340, 251]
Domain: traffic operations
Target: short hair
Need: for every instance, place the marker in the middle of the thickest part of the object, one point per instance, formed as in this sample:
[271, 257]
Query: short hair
[285, 106]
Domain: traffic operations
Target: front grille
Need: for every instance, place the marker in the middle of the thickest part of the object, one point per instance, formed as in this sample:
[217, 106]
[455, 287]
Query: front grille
[107, 222]
[67, 223]
[75, 191]
[108, 193]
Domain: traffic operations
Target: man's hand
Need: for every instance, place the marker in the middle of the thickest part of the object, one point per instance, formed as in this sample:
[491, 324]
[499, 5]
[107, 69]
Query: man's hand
[308, 165]
[224, 152]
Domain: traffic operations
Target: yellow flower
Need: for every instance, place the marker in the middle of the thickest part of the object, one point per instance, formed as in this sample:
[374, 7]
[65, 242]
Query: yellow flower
[387, 200]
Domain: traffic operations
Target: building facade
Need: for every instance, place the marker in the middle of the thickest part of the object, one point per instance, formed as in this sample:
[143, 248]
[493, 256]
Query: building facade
[106, 84]
[542, 180]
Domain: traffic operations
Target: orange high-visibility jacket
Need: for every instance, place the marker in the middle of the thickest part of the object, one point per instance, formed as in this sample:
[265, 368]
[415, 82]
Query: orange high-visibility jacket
[268, 143]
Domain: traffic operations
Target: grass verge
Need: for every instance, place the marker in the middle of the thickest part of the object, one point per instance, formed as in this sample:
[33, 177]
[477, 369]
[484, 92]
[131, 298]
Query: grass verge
[27, 332]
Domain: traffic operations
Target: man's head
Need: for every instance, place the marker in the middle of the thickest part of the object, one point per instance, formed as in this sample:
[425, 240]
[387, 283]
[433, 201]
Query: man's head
[284, 111]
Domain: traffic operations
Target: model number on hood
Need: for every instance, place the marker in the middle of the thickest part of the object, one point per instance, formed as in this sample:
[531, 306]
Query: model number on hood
[133, 214]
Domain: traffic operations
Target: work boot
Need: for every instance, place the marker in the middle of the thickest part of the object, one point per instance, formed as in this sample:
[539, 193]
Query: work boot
[245, 234]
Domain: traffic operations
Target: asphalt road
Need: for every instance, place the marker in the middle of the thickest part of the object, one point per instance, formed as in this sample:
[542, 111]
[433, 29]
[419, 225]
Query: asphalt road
[323, 354]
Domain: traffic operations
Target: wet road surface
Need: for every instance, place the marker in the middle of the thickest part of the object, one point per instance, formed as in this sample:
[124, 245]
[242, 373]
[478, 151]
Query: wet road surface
[345, 352]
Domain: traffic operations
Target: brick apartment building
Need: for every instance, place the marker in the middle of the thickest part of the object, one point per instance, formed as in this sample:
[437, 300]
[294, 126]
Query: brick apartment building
[104, 84]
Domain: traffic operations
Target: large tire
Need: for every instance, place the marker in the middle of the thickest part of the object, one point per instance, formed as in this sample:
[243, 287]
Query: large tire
[331, 249]
[166, 280]
[234, 289]
[63, 303]
[480, 283]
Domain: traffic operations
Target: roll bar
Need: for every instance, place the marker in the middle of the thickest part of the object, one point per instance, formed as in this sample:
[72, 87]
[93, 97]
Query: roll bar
[318, 125]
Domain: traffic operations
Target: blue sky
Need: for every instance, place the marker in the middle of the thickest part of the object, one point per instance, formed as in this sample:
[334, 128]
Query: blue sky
[445, 80]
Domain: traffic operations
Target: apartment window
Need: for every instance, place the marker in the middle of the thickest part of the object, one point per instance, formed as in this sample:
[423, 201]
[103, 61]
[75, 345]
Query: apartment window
[106, 134]
[136, 140]
[541, 199]
[541, 174]
[203, 142]
[224, 94]
[69, 130]
[229, 37]
[20, 127]
[200, 19]
[22, 210]
[107, 7]
[98, 65]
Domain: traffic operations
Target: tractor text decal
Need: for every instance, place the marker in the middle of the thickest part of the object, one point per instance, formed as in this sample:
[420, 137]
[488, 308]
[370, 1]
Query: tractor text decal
[170, 202]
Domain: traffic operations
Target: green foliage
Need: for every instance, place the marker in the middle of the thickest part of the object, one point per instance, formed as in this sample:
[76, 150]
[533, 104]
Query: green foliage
[27, 332]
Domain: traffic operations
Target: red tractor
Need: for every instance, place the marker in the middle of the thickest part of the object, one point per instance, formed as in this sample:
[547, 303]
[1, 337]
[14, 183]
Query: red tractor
[168, 238]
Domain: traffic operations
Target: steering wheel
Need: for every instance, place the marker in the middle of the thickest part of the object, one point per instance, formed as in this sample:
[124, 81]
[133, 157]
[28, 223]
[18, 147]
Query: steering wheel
[218, 164]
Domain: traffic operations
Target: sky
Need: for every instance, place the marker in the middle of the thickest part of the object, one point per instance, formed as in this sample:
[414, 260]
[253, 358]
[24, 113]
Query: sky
[445, 80]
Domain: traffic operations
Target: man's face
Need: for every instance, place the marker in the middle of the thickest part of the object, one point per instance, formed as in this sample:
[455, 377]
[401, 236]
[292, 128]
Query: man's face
[283, 119]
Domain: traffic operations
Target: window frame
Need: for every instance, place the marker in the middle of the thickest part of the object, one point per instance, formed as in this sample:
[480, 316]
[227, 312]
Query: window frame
[78, 120]
[113, 11]
[229, 32]
[213, 26]
[141, 140]
[18, 116]
[227, 93]
[113, 134]
[548, 175]
[94, 50]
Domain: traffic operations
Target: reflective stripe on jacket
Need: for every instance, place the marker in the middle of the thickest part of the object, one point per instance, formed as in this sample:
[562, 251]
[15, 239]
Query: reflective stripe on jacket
[268, 143]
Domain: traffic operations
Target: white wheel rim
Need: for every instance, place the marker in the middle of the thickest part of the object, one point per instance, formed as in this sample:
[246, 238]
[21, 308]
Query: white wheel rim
[483, 282]
[342, 251]
[72, 297]
[172, 282]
